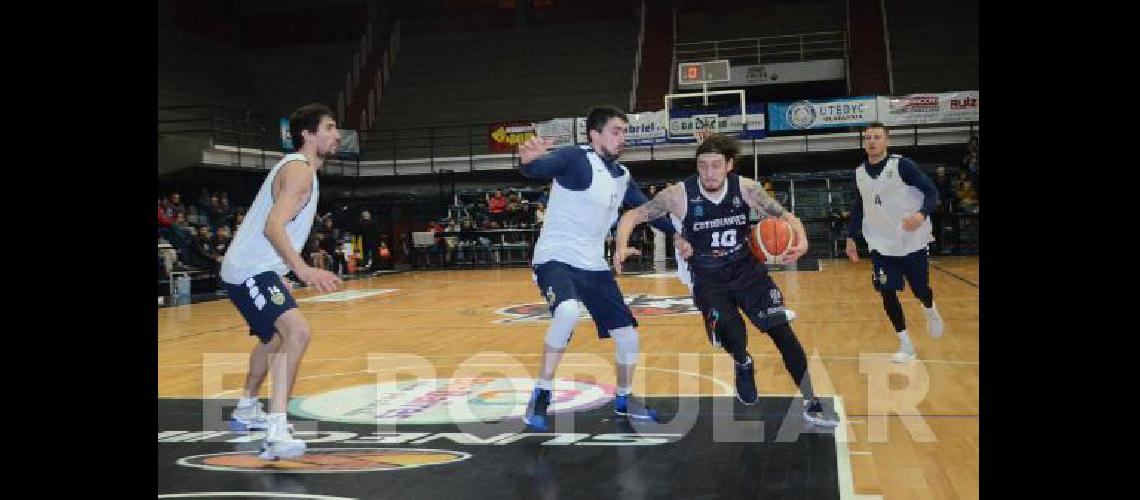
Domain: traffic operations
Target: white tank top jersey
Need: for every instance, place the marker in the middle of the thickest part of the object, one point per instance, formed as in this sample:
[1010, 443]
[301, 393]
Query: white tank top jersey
[251, 253]
[887, 200]
[577, 222]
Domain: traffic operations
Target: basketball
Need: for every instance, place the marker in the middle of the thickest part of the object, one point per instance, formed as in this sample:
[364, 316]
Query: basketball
[770, 238]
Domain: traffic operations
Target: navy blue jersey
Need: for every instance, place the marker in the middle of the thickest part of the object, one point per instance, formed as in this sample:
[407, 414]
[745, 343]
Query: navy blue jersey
[719, 235]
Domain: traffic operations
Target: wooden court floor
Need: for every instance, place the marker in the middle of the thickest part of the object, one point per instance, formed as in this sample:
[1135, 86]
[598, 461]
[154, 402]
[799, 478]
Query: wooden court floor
[912, 431]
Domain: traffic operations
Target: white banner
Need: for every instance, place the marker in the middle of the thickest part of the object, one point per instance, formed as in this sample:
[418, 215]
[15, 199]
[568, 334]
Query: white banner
[559, 129]
[646, 127]
[685, 126]
[920, 109]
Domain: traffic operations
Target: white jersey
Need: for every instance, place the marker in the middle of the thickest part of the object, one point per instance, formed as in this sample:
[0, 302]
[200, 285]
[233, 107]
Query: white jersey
[251, 253]
[683, 272]
[887, 200]
[577, 222]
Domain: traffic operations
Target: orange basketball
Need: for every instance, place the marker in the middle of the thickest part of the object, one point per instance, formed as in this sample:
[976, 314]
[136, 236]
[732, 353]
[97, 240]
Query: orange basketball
[770, 238]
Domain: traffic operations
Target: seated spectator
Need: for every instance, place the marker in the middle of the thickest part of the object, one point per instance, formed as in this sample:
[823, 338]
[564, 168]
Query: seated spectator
[238, 218]
[328, 246]
[514, 210]
[539, 214]
[204, 201]
[215, 212]
[329, 230]
[174, 205]
[222, 241]
[946, 192]
[967, 197]
[497, 206]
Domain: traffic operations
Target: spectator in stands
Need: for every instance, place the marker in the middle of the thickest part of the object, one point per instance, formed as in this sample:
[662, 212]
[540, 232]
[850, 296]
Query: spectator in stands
[329, 230]
[174, 205]
[539, 215]
[204, 201]
[214, 212]
[222, 241]
[370, 233]
[227, 211]
[514, 210]
[440, 246]
[314, 254]
[526, 212]
[946, 197]
[497, 206]
[452, 241]
[967, 197]
[328, 246]
[164, 220]
[970, 164]
[238, 218]
[946, 191]
[435, 227]
[180, 221]
[204, 244]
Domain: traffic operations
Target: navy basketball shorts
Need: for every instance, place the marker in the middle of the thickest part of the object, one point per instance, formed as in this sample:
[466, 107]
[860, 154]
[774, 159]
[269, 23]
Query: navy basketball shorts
[261, 300]
[597, 290]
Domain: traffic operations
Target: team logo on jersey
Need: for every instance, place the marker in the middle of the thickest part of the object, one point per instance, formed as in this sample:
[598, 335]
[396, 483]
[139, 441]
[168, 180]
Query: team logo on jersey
[699, 210]
[640, 305]
[736, 201]
[890, 174]
[775, 294]
[882, 277]
[326, 460]
[276, 296]
[801, 114]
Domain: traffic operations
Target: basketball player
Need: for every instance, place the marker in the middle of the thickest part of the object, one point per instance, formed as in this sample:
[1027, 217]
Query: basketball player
[588, 187]
[892, 209]
[267, 246]
[713, 207]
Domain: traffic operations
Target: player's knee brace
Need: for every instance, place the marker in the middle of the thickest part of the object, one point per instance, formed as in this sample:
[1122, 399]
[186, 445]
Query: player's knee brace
[625, 345]
[566, 315]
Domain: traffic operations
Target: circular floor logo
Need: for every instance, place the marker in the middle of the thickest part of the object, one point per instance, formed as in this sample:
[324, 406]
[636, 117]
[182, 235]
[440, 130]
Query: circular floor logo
[326, 460]
[444, 401]
[641, 305]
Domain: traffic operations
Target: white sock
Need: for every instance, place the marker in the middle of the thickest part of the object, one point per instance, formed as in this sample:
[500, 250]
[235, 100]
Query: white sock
[904, 338]
[624, 391]
[245, 402]
[544, 384]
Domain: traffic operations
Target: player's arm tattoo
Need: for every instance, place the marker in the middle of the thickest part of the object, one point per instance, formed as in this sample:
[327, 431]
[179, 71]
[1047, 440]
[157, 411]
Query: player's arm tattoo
[664, 203]
[758, 198]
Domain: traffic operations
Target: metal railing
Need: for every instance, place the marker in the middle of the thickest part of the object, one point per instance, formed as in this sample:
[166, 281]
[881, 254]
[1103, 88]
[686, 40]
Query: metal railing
[765, 50]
